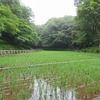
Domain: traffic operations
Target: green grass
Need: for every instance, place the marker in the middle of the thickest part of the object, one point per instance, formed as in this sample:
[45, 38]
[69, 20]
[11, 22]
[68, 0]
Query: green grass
[70, 75]
[44, 57]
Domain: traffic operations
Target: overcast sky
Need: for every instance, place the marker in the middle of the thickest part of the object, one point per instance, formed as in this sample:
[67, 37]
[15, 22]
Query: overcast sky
[46, 9]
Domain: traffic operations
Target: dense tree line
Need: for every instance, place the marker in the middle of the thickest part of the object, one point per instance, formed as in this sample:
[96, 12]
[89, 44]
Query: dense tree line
[57, 32]
[81, 31]
[15, 24]
[88, 23]
[73, 32]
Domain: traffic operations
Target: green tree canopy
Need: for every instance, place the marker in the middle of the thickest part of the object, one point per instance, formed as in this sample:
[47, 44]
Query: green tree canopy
[57, 32]
[15, 23]
[88, 23]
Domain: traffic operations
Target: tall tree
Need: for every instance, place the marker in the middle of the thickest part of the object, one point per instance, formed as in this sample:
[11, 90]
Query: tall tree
[57, 32]
[8, 23]
[88, 22]
[16, 26]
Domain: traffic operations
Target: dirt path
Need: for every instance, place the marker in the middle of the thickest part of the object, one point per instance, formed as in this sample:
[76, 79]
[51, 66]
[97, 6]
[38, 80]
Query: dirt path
[42, 64]
[97, 98]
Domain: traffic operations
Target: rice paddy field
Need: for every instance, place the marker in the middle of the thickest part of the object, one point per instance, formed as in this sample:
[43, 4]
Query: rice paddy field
[50, 75]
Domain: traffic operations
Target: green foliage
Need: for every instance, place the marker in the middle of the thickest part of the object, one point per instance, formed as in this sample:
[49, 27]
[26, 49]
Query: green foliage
[14, 6]
[18, 9]
[7, 20]
[57, 32]
[27, 34]
[92, 49]
[6, 46]
[88, 23]
[8, 23]
[27, 14]
[81, 72]
[82, 40]
[79, 32]
[15, 24]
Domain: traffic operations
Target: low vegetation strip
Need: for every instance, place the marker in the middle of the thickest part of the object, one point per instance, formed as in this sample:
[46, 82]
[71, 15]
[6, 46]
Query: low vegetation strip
[45, 64]
[40, 57]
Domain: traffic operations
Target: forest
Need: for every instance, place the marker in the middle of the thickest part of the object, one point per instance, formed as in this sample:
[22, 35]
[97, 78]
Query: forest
[72, 32]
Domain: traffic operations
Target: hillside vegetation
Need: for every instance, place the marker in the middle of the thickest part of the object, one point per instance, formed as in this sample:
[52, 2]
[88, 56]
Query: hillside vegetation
[79, 32]
[95, 49]
[71, 32]
[6, 46]
[16, 25]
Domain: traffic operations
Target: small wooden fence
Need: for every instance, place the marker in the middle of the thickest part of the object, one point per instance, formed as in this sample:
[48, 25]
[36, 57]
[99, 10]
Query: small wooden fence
[4, 52]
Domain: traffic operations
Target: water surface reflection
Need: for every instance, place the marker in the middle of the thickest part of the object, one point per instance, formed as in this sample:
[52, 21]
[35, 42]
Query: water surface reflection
[43, 91]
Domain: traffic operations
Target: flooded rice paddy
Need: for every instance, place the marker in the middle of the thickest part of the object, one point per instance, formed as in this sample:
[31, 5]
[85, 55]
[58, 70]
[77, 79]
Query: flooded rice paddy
[50, 76]
[28, 87]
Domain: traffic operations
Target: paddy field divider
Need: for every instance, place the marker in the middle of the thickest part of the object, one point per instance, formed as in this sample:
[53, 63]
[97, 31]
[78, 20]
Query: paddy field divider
[45, 64]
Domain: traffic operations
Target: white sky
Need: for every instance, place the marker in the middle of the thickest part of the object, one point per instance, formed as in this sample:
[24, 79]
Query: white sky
[46, 9]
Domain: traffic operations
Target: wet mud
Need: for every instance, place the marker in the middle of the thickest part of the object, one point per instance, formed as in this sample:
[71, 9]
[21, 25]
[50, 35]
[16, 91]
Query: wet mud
[39, 89]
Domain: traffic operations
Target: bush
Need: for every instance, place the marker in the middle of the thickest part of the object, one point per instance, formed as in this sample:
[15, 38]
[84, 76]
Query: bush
[91, 49]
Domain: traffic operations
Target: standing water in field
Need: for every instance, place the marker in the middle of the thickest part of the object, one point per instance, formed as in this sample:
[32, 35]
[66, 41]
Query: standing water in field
[39, 89]
[43, 91]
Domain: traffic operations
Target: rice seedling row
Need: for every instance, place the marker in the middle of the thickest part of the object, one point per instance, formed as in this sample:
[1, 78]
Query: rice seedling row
[44, 57]
[79, 79]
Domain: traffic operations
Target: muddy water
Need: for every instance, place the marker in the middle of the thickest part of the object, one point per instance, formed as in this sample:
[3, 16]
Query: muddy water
[16, 91]
[43, 91]
[40, 90]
